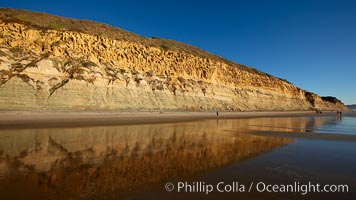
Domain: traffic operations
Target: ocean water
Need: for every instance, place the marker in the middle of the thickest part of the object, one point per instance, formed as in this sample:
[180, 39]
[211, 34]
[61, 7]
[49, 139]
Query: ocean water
[319, 124]
[344, 125]
[137, 161]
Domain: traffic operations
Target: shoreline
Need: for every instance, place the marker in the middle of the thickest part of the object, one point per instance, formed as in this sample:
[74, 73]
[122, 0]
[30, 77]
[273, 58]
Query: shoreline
[314, 136]
[67, 119]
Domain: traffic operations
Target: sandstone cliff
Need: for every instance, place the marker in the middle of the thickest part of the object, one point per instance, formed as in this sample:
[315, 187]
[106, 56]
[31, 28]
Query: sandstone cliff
[49, 62]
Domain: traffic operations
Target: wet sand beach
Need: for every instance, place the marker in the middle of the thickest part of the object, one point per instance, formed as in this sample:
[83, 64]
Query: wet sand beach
[109, 155]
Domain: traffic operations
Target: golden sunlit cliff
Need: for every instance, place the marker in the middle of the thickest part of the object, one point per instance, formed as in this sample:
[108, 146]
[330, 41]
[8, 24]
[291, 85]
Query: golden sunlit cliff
[54, 63]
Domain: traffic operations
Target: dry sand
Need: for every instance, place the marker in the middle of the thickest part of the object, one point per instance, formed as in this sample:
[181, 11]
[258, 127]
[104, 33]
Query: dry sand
[58, 119]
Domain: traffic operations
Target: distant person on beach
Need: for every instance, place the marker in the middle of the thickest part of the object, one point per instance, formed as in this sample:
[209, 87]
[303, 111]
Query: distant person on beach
[339, 113]
[318, 112]
[217, 113]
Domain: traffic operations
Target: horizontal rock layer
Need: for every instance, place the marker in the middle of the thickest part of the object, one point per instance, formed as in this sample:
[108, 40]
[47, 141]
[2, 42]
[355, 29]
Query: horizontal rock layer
[62, 69]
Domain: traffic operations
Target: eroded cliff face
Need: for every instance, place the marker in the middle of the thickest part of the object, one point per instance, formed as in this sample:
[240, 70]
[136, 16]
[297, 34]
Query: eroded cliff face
[61, 69]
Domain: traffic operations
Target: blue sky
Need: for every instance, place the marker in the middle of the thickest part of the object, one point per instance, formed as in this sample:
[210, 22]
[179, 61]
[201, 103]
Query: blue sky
[310, 43]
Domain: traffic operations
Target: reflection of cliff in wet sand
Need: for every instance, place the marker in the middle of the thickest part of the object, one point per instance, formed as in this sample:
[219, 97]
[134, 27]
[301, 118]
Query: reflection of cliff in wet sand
[106, 161]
